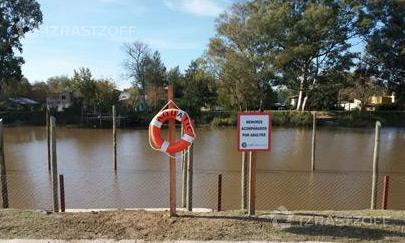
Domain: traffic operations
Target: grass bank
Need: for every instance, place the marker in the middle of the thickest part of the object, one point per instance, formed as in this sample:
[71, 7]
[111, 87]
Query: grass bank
[218, 119]
[327, 118]
[142, 225]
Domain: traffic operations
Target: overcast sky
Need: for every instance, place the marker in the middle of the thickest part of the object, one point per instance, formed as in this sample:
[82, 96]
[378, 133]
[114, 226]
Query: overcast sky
[90, 33]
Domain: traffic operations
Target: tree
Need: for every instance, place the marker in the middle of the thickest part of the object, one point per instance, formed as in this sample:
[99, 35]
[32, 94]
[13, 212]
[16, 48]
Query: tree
[17, 17]
[138, 55]
[106, 94]
[58, 84]
[175, 77]
[133, 99]
[386, 45]
[199, 88]
[362, 85]
[16, 88]
[39, 92]
[155, 81]
[306, 40]
[83, 82]
[239, 61]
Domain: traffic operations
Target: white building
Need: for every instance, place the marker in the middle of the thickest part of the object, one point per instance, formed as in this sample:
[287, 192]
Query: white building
[351, 106]
[60, 101]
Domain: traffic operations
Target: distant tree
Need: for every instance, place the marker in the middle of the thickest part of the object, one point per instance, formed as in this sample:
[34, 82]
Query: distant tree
[175, 77]
[58, 84]
[199, 88]
[17, 17]
[137, 58]
[155, 81]
[386, 45]
[133, 99]
[362, 86]
[17, 88]
[106, 94]
[39, 92]
[83, 82]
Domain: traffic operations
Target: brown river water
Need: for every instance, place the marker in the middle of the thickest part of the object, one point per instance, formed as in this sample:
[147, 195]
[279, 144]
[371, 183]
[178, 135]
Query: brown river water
[342, 179]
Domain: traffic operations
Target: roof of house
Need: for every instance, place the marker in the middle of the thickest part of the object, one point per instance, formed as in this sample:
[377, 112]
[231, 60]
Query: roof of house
[23, 101]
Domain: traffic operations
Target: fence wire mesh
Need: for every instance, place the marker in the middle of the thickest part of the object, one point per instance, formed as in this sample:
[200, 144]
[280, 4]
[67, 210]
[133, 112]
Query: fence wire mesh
[149, 189]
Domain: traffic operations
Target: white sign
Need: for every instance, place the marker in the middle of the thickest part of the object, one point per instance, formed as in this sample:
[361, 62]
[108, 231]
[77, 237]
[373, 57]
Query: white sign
[254, 131]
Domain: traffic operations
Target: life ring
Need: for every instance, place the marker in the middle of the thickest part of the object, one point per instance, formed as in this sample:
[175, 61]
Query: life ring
[155, 135]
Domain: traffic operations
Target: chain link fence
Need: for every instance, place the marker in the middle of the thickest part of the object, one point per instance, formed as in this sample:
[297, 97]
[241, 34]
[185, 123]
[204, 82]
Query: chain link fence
[149, 189]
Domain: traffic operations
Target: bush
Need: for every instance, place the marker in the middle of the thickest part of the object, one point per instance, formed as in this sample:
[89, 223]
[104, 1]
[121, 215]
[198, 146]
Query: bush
[228, 121]
[291, 118]
[300, 118]
[387, 107]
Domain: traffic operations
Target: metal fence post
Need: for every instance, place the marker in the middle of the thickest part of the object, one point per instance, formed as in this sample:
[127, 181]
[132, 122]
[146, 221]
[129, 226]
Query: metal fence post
[219, 202]
[313, 142]
[48, 137]
[252, 184]
[114, 138]
[183, 175]
[62, 192]
[190, 178]
[244, 184]
[375, 165]
[54, 163]
[384, 200]
[3, 174]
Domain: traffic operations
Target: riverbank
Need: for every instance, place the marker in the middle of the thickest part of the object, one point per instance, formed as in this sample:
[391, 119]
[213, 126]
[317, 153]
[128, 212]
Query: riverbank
[214, 119]
[326, 118]
[142, 225]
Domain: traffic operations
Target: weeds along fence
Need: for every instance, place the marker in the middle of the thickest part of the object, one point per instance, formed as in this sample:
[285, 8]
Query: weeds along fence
[149, 189]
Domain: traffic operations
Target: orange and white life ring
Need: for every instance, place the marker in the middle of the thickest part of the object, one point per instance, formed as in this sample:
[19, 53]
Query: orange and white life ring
[155, 135]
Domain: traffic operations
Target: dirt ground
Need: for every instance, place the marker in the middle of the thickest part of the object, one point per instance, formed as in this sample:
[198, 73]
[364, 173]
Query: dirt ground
[142, 225]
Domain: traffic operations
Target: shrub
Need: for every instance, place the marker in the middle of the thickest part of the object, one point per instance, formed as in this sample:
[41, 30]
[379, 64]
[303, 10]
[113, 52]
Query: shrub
[387, 107]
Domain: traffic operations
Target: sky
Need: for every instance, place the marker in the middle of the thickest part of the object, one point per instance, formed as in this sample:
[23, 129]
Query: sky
[91, 33]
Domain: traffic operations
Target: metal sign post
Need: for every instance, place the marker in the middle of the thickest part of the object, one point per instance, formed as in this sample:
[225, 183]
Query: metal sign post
[254, 134]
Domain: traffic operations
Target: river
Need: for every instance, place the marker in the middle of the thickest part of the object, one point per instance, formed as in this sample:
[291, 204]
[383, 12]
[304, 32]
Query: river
[342, 181]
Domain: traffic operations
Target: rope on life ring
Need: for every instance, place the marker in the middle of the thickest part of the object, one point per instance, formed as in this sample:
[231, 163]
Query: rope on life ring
[156, 140]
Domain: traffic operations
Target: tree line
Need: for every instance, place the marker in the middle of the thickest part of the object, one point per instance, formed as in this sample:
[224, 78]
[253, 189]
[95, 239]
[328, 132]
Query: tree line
[321, 52]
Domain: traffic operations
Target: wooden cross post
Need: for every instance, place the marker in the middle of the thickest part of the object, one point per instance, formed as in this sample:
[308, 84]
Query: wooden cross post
[172, 159]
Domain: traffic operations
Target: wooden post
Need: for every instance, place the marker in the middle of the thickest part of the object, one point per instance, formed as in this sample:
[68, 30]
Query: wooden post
[375, 165]
[172, 161]
[190, 178]
[114, 138]
[244, 184]
[384, 200]
[54, 170]
[3, 174]
[101, 123]
[48, 135]
[252, 184]
[62, 193]
[219, 203]
[313, 142]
